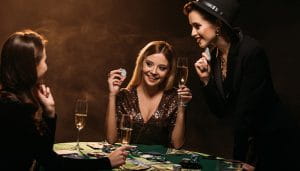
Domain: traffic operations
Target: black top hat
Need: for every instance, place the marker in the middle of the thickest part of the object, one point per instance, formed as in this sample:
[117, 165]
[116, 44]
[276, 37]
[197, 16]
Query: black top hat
[225, 10]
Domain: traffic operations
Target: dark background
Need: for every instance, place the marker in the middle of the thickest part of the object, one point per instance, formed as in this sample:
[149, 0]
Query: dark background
[88, 38]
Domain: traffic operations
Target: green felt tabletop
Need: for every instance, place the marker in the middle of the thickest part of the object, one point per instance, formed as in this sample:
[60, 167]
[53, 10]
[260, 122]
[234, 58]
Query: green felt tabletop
[170, 155]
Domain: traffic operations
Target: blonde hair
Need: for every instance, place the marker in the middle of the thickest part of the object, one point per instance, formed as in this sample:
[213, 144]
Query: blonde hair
[151, 48]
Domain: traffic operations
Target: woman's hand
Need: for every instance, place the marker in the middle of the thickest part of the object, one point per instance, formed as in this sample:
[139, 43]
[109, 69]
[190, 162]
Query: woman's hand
[115, 80]
[248, 167]
[203, 68]
[118, 157]
[185, 94]
[46, 99]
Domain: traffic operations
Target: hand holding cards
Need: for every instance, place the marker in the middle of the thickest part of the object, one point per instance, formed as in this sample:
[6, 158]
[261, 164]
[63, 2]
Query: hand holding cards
[208, 54]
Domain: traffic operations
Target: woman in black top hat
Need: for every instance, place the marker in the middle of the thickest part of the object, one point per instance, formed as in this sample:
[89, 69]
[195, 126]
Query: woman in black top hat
[27, 110]
[236, 80]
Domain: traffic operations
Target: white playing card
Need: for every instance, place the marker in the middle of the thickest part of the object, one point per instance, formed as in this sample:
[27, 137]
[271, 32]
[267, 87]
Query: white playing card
[208, 53]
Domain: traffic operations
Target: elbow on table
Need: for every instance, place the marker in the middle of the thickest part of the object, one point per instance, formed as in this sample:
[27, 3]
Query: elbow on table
[111, 139]
[178, 145]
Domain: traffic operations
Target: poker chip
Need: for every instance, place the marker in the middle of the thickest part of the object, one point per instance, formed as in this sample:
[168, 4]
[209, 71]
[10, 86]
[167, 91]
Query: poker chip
[123, 72]
[147, 156]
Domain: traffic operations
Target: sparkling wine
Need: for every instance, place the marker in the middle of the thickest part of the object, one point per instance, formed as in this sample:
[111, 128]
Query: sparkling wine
[182, 75]
[125, 135]
[80, 120]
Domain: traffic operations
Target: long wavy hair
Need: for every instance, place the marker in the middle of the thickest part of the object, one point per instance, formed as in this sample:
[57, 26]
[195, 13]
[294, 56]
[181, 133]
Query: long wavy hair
[21, 53]
[151, 48]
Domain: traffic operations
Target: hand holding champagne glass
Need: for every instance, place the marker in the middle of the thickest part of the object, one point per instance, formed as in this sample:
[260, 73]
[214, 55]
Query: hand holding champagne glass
[126, 128]
[81, 109]
[182, 75]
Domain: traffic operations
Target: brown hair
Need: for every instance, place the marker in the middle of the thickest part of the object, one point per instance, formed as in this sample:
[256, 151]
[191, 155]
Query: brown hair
[21, 53]
[227, 32]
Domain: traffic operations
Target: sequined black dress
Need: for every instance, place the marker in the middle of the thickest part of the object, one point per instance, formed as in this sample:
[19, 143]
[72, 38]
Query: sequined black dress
[158, 129]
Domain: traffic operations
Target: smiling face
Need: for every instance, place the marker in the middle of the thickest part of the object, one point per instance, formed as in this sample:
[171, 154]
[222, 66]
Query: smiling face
[155, 70]
[155, 66]
[202, 30]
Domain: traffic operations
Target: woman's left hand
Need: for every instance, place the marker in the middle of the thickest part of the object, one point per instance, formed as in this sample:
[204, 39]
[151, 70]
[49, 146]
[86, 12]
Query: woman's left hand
[46, 100]
[185, 94]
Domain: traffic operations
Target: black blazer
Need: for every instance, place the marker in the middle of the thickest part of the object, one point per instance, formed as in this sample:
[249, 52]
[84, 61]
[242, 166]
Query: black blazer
[247, 93]
[22, 143]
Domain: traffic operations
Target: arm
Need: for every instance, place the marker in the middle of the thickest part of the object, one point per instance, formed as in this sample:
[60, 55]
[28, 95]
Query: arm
[49, 117]
[214, 99]
[179, 128]
[49, 132]
[36, 145]
[115, 80]
[252, 103]
[256, 88]
[212, 95]
[115, 159]
[111, 121]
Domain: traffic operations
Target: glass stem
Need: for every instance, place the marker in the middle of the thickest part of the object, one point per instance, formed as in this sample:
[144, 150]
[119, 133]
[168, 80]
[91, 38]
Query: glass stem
[181, 103]
[180, 100]
[77, 145]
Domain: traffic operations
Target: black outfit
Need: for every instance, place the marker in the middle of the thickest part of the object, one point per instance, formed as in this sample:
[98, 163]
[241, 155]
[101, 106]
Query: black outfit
[263, 132]
[23, 143]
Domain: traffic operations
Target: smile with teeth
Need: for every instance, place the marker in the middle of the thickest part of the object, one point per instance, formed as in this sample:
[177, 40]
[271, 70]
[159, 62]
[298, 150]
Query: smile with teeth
[198, 39]
[152, 78]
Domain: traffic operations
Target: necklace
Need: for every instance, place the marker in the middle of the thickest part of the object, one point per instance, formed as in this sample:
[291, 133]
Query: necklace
[223, 65]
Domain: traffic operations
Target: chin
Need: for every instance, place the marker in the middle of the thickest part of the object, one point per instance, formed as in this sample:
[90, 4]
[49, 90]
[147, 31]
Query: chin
[152, 84]
[203, 46]
[41, 75]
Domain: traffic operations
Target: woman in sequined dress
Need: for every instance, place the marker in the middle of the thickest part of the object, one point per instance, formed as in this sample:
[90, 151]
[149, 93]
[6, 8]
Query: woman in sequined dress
[149, 98]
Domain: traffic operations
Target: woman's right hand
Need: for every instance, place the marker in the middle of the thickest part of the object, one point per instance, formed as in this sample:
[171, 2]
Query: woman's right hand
[46, 99]
[118, 157]
[248, 167]
[115, 80]
[203, 68]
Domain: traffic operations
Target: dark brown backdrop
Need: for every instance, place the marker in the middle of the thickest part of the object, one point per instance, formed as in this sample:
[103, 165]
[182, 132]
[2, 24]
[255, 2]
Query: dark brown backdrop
[88, 38]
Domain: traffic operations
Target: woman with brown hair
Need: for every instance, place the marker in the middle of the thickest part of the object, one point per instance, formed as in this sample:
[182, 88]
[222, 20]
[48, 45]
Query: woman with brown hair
[27, 110]
[235, 77]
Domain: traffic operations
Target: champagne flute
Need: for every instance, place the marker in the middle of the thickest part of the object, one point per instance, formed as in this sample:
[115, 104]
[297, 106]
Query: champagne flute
[81, 109]
[182, 75]
[126, 128]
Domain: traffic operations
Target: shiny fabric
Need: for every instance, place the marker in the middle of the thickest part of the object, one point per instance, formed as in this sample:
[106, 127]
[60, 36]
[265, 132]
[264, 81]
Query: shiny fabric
[158, 129]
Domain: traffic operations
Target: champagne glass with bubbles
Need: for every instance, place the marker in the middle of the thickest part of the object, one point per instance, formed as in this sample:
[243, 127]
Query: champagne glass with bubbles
[81, 109]
[182, 75]
[126, 128]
